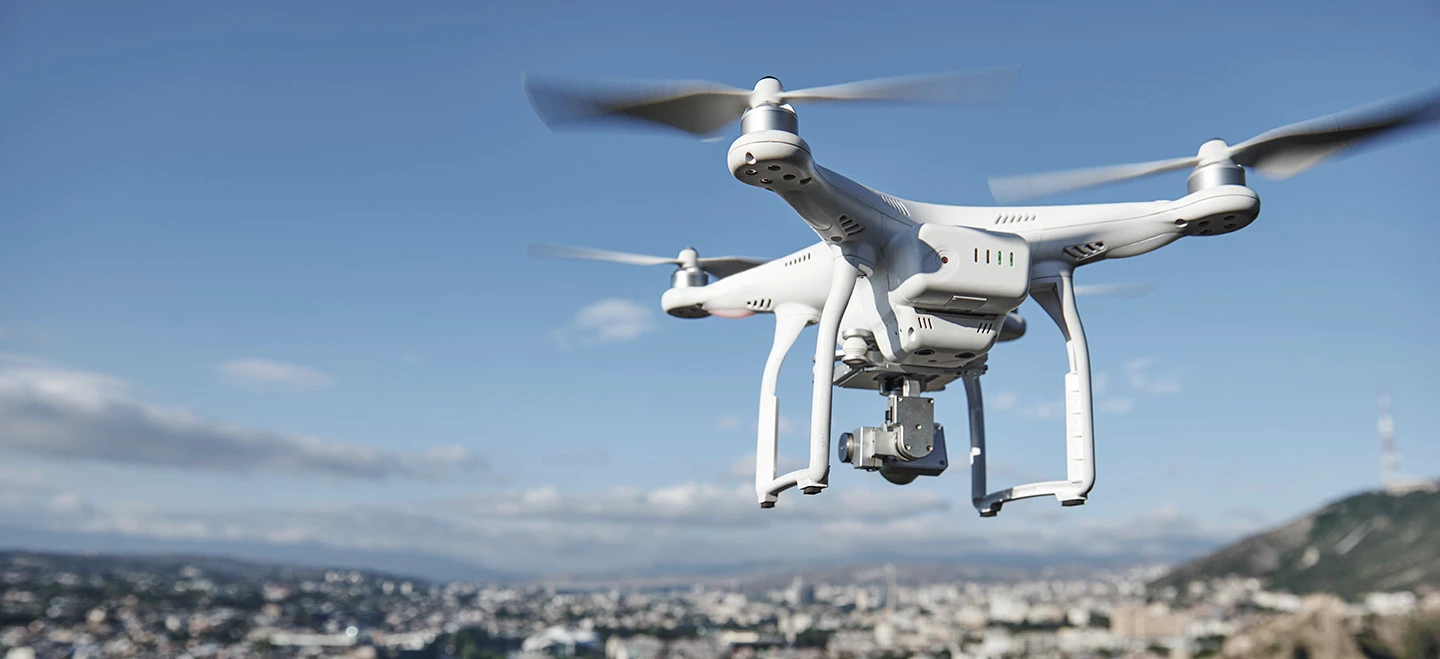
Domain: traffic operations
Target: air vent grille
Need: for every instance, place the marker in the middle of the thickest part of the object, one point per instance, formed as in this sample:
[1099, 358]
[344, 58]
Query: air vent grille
[759, 304]
[926, 322]
[798, 259]
[1014, 218]
[896, 204]
[850, 226]
[1085, 251]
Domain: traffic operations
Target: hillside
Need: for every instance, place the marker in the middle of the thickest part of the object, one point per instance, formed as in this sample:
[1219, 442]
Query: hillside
[1366, 543]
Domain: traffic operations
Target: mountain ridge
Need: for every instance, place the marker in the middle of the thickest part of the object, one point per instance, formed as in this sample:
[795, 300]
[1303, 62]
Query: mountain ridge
[1367, 542]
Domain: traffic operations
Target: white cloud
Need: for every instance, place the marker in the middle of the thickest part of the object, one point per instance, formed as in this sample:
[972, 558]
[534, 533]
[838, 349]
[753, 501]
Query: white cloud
[744, 468]
[61, 413]
[449, 456]
[1051, 409]
[786, 425]
[608, 321]
[1143, 379]
[269, 374]
[1140, 381]
[1116, 405]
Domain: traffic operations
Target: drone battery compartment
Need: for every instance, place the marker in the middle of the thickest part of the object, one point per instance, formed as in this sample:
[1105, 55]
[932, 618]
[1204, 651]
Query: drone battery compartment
[950, 288]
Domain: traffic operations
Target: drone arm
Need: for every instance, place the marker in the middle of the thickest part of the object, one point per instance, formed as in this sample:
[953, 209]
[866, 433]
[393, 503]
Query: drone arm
[1056, 294]
[789, 322]
[815, 476]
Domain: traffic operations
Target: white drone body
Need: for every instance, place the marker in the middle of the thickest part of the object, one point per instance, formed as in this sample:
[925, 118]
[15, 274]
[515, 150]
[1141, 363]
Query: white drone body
[916, 294]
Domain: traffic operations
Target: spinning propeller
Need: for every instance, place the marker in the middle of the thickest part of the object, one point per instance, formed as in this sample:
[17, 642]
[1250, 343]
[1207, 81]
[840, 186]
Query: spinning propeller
[689, 259]
[702, 108]
[1278, 154]
[1112, 290]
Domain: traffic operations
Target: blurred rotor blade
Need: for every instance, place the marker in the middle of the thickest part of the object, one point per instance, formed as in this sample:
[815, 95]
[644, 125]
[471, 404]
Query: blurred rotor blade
[1007, 189]
[959, 87]
[696, 107]
[1112, 290]
[584, 253]
[1287, 151]
[724, 266]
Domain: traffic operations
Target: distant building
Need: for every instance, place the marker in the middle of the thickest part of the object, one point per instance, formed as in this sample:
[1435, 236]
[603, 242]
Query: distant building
[800, 593]
[306, 639]
[560, 642]
[1156, 621]
[634, 647]
[1390, 604]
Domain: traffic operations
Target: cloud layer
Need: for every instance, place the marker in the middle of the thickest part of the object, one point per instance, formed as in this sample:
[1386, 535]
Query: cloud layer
[268, 374]
[607, 321]
[60, 413]
[545, 530]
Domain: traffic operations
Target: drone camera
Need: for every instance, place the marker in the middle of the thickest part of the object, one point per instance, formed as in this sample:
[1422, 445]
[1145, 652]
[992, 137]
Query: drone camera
[910, 444]
[874, 449]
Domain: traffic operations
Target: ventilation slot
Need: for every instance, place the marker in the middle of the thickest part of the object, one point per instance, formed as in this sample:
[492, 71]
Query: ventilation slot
[896, 204]
[926, 322]
[1085, 251]
[762, 304]
[798, 260]
[984, 328]
[1014, 218]
[849, 226]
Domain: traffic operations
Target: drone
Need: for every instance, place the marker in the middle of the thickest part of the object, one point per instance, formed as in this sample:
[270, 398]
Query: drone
[909, 296]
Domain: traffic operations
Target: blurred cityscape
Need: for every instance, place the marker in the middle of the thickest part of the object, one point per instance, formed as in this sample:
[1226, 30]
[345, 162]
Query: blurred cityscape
[106, 606]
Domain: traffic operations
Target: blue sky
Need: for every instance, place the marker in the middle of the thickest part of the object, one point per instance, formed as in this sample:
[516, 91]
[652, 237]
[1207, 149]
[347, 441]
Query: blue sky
[270, 261]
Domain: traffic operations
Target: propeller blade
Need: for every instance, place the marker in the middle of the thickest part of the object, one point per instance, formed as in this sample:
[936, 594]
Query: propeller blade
[1280, 153]
[696, 107]
[1116, 290]
[720, 266]
[959, 87]
[724, 266]
[587, 254]
[1010, 189]
[1287, 151]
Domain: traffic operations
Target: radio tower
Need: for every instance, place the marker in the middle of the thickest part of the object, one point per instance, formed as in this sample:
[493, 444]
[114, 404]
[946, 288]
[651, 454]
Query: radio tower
[1390, 477]
[1389, 467]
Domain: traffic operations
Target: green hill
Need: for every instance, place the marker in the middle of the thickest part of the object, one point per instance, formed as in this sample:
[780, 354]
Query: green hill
[1369, 542]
